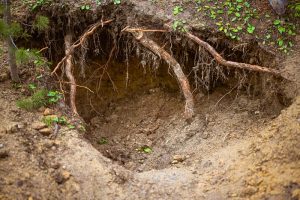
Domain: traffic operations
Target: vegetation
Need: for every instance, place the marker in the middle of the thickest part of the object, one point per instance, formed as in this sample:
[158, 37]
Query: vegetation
[237, 18]
[37, 100]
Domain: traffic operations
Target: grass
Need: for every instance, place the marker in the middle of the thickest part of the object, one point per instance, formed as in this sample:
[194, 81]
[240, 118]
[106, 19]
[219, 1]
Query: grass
[37, 100]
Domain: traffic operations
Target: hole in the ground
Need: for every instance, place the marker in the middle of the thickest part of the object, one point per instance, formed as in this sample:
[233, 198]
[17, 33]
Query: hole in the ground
[135, 116]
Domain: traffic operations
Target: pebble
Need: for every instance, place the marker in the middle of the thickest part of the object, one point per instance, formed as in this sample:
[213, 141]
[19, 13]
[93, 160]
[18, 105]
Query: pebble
[62, 177]
[1, 146]
[179, 158]
[249, 191]
[12, 128]
[4, 154]
[48, 111]
[45, 131]
[38, 125]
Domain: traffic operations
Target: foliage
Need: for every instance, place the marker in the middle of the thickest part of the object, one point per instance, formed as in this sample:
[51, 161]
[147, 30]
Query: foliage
[41, 23]
[179, 25]
[145, 149]
[51, 119]
[85, 7]
[102, 141]
[117, 1]
[37, 100]
[36, 4]
[26, 56]
[177, 10]
[53, 96]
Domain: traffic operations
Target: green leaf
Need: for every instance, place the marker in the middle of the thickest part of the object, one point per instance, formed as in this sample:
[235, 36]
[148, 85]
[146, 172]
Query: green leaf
[250, 28]
[277, 22]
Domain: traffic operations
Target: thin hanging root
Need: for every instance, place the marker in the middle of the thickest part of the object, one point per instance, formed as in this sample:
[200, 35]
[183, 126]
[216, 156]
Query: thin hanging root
[226, 63]
[81, 41]
[184, 83]
[68, 69]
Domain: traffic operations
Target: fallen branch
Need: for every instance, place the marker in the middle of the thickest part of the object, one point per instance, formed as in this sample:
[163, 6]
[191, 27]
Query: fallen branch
[68, 69]
[80, 41]
[184, 83]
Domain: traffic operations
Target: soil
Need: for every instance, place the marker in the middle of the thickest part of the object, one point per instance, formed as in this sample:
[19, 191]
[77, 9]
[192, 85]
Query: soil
[137, 143]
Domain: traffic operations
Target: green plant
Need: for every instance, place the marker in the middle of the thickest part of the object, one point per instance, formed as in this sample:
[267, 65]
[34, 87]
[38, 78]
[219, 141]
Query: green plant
[53, 96]
[37, 100]
[50, 120]
[179, 25]
[34, 5]
[177, 10]
[41, 23]
[145, 149]
[102, 140]
[26, 56]
[116, 2]
[250, 28]
[85, 7]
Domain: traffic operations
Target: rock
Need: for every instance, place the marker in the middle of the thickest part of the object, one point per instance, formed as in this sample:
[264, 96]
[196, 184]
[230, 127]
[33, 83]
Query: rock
[179, 158]
[204, 135]
[3, 77]
[62, 177]
[249, 191]
[1, 146]
[296, 194]
[12, 128]
[4, 154]
[45, 131]
[21, 125]
[38, 125]
[48, 111]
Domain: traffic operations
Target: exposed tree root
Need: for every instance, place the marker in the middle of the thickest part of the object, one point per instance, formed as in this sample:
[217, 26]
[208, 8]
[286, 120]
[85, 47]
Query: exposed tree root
[68, 69]
[184, 83]
[81, 41]
[226, 63]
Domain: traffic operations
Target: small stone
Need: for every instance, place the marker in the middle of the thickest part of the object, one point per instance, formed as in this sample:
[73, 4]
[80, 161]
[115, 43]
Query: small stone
[55, 165]
[12, 128]
[48, 111]
[21, 126]
[179, 158]
[38, 125]
[62, 177]
[45, 131]
[296, 194]
[249, 191]
[1, 146]
[3, 77]
[4, 154]
[30, 198]
[204, 135]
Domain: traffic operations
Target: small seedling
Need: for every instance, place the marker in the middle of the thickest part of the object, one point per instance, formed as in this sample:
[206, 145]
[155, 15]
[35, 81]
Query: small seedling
[145, 149]
[85, 7]
[177, 10]
[102, 141]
